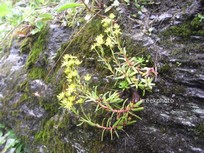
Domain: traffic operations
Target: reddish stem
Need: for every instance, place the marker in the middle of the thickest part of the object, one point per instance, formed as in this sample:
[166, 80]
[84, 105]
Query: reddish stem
[114, 110]
[105, 128]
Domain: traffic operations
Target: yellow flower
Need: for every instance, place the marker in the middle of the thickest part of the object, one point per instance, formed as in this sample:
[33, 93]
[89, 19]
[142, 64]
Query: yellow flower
[66, 57]
[116, 26]
[74, 73]
[99, 40]
[109, 43]
[106, 22]
[93, 47]
[87, 77]
[61, 96]
[80, 101]
[69, 77]
[67, 71]
[71, 62]
[67, 104]
[72, 87]
[108, 29]
[68, 93]
[112, 16]
[71, 99]
[117, 31]
[77, 62]
[64, 63]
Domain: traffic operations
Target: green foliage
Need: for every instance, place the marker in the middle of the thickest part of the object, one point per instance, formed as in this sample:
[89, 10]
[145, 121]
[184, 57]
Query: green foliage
[34, 16]
[41, 22]
[200, 17]
[74, 15]
[15, 15]
[4, 9]
[39, 27]
[9, 141]
[68, 6]
[112, 111]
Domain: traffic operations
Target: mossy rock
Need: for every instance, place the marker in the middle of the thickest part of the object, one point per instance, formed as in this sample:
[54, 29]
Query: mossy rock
[34, 47]
[59, 134]
[186, 29]
[80, 45]
[37, 48]
[51, 134]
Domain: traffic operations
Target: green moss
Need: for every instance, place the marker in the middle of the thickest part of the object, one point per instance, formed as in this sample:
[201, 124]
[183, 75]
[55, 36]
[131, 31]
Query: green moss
[134, 49]
[37, 73]
[164, 69]
[45, 134]
[196, 23]
[23, 87]
[15, 113]
[24, 97]
[180, 89]
[83, 42]
[51, 134]
[26, 45]
[59, 135]
[51, 108]
[187, 29]
[36, 49]
[80, 45]
[200, 131]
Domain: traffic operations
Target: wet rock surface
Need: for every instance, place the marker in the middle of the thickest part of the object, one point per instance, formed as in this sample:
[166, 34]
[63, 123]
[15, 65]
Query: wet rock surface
[21, 98]
[173, 119]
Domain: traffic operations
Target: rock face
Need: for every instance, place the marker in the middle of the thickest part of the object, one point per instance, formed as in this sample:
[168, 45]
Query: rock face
[26, 99]
[173, 119]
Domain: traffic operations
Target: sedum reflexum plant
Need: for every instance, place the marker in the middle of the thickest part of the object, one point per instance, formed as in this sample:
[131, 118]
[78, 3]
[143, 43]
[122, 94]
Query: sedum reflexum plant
[128, 71]
[113, 109]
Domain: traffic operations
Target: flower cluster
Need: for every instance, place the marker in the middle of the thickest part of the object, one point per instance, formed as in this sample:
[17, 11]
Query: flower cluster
[70, 95]
[112, 31]
[129, 71]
